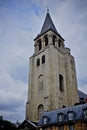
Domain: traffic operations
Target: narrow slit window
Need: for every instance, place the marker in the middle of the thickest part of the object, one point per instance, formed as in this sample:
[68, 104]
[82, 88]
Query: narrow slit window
[61, 84]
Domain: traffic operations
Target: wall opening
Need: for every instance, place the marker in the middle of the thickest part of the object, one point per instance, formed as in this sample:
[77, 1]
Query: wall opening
[40, 110]
[61, 83]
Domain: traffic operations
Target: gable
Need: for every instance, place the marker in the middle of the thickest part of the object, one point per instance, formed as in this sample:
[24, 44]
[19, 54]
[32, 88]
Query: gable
[26, 124]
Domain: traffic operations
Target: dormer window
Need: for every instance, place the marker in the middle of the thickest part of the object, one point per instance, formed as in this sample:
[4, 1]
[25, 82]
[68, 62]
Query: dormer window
[85, 113]
[60, 117]
[61, 127]
[70, 115]
[45, 120]
[81, 100]
[71, 127]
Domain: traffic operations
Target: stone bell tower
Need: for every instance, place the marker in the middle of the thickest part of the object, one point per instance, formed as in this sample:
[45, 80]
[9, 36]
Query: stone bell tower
[52, 75]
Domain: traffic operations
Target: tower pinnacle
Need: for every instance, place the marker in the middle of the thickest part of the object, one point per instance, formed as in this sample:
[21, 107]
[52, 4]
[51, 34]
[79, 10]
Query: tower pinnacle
[47, 9]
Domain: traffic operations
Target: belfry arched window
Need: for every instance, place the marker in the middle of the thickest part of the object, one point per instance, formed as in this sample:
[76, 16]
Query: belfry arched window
[59, 43]
[40, 110]
[61, 83]
[54, 39]
[39, 44]
[46, 41]
[43, 59]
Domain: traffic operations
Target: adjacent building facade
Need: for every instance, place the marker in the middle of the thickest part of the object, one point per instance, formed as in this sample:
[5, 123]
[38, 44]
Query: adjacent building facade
[70, 118]
[52, 74]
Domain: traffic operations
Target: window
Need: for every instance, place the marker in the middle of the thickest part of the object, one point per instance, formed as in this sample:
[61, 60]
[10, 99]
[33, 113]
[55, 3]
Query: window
[40, 84]
[61, 86]
[40, 45]
[45, 120]
[59, 43]
[70, 115]
[85, 113]
[43, 59]
[60, 117]
[46, 41]
[81, 100]
[54, 39]
[40, 110]
[71, 127]
[85, 100]
[63, 106]
[61, 127]
[38, 62]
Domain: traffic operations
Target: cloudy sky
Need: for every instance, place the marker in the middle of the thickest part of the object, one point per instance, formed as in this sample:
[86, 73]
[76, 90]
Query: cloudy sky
[20, 22]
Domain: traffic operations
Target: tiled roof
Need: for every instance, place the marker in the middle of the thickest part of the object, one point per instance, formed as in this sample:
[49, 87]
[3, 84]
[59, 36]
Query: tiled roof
[53, 115]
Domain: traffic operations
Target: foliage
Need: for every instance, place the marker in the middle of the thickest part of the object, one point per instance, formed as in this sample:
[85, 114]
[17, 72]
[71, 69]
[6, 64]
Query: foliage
[7, 125]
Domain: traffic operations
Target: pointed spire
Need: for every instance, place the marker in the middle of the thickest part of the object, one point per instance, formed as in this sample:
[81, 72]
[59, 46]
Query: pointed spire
[48, 24]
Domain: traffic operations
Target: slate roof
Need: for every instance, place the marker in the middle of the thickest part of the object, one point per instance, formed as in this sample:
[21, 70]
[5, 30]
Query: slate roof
[48, 25]
[53, 115]
[82, 95]
[30, 124]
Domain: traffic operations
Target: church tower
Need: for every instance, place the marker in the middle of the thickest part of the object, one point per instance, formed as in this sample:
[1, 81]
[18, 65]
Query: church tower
[52, 75]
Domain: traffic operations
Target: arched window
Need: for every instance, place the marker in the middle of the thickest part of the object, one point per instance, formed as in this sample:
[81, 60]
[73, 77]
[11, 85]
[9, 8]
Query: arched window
[54, 39]
[40, 84]
[40, 45]
[46, 41]
[38, 62]
[61, 84]
[43, 59]
[40, 110]
[59, 43]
